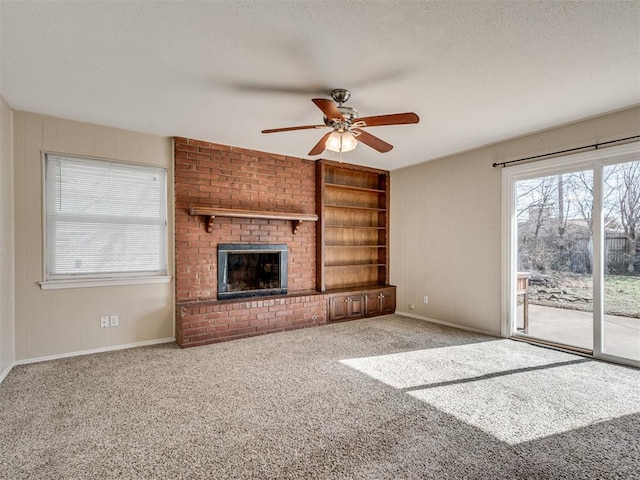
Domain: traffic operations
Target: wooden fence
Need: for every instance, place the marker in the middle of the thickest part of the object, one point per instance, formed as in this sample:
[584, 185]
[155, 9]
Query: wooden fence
[574, 254]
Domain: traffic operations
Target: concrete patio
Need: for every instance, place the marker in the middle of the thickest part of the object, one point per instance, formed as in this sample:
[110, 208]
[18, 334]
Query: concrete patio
[575, 328]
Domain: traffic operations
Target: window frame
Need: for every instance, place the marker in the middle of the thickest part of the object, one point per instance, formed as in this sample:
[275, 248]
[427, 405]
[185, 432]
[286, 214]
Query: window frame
[98, 279]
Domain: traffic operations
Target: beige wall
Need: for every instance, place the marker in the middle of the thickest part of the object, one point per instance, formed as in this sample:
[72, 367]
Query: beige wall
[7, 327]
[446, 222]
[60, 322]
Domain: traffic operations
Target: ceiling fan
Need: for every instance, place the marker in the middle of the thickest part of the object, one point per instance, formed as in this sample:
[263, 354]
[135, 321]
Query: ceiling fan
[346, 127]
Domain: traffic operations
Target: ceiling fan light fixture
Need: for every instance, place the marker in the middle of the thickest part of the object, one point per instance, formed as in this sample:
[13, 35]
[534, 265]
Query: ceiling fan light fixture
[341, 142]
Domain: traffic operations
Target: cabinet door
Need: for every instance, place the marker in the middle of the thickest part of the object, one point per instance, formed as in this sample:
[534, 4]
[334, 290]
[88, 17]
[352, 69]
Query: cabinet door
[372, 303]
[338, 308]
[388, 301]
[355, 306]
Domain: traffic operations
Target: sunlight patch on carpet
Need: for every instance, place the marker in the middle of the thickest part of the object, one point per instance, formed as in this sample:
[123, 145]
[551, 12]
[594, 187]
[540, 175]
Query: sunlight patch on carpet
[513, 391]
[454, 363]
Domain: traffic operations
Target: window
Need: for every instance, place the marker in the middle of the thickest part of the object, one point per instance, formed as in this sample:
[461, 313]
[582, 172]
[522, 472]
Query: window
[104, 220]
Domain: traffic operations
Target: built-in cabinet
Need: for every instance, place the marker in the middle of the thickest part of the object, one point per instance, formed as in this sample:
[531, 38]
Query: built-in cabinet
[380, 302]
[353, 240]
[359, 304]
[346, 307]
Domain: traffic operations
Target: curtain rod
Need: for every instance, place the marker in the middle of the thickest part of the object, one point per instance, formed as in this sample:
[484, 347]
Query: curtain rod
[595, 145]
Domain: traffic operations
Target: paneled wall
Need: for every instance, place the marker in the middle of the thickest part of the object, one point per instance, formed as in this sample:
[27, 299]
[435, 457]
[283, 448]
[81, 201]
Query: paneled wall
[7, 330]
[446, 222]
[59, 322]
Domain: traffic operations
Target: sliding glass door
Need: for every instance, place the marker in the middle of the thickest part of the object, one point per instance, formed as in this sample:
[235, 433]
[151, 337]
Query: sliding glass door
[571, 260]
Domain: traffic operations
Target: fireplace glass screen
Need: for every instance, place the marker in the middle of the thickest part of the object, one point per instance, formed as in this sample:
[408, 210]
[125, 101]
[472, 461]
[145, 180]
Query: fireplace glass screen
[251, 270]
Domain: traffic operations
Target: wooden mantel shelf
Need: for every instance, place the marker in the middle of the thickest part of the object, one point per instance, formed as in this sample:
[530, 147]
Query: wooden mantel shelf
[213, 212]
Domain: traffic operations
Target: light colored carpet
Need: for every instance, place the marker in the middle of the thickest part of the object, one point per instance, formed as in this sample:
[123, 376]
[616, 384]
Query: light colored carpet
[382, 398]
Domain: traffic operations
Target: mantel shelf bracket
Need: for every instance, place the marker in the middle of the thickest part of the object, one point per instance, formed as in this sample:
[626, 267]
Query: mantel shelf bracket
[212, 212]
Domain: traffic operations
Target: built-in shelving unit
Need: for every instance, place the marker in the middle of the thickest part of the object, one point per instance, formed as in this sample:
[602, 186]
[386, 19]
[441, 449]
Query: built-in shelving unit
[353, 241]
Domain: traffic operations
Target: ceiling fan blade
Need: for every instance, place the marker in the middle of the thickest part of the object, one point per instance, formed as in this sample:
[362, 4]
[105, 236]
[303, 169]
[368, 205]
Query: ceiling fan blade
[288, 129]
[391, 119]
[371, 140]
[329, 108]
[320, 146]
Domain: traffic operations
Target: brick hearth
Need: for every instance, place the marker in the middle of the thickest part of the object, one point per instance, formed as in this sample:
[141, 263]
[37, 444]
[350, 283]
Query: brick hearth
[230, 177]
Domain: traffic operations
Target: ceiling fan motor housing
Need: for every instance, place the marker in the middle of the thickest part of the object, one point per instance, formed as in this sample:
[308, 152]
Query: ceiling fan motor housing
[340, 95]
[349, 114]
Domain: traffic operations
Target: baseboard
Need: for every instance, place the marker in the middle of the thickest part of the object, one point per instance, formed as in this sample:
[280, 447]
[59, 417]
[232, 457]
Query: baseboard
[96, 350]
[449, 324]
[4, 374]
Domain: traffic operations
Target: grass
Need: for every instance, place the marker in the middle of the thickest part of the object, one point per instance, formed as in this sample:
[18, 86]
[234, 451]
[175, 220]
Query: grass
[575, 292]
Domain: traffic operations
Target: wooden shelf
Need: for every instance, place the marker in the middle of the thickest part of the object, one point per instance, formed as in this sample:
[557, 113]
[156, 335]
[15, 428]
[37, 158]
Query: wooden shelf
[356, 246]
[349, 227]
[357, 288]
[348, 207]
[351, 265]
[354, 188]
[213, 212]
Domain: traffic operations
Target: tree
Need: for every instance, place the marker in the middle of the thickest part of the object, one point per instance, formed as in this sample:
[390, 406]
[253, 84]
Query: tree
[580, 192]
[625, 185]
[564, 209]
[535, 201]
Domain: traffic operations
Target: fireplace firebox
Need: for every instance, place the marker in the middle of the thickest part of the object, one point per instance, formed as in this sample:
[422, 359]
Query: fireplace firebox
[251, 270]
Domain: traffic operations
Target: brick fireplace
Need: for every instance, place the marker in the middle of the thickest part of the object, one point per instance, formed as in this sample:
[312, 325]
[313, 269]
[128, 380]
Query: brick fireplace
[214, 175]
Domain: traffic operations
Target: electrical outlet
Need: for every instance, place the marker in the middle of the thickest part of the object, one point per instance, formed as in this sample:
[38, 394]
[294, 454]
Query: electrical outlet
[411, 306]
[425, 300]
[114, 320]
[104, 322]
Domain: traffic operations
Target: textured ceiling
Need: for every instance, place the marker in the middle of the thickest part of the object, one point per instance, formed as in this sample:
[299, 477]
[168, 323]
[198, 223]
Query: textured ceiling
[475, 72]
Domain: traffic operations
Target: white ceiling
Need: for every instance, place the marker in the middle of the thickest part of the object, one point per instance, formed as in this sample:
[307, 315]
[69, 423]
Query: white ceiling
[475, 72]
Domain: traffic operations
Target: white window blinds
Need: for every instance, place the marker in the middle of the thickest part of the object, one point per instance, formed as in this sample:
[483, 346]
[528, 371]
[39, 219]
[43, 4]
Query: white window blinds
[104, 219]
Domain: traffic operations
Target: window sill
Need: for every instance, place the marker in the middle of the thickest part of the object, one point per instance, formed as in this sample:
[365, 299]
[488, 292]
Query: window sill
[102, 282]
